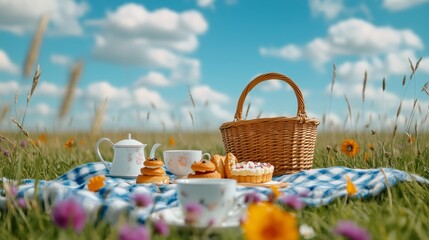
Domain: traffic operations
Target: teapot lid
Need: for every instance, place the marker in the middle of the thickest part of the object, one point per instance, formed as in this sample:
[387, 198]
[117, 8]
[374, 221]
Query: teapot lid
[128, 143]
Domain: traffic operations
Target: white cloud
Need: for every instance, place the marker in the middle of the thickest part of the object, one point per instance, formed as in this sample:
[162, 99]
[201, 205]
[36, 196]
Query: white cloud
[399, 5]
[158, 39]
[204, 93]
[49, 89]
[272, 85]
[351, 37]
[43, 109]
[21, 16]
[329, 9]
[153, 79]
[9, 88]
[146, 97]
[6, 64]
[100, 91]
[60, 59]
[205, 3]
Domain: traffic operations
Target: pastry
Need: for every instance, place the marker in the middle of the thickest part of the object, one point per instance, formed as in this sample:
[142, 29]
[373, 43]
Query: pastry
[152, 172]
[248, 172]
[204, 169]
[218, 161]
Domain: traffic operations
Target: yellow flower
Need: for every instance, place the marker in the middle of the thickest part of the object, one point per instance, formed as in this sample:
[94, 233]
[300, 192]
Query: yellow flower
[70, 143]
[349, 147]
[275, 192]
[96, 183]
[268, 221]
[350, 187]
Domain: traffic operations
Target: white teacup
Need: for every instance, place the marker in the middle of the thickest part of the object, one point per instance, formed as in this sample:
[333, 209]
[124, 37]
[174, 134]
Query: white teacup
[217, 197]
[179, 162]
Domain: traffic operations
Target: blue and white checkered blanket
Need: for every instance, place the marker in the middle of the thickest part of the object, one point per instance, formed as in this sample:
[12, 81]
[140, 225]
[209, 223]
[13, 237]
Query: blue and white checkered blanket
[316, 187]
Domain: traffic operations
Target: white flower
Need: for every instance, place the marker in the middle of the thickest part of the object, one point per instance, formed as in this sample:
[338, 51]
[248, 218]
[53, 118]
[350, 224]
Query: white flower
[306, 231]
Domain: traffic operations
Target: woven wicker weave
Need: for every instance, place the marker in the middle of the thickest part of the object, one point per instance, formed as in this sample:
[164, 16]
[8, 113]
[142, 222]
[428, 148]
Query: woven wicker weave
[285, 142]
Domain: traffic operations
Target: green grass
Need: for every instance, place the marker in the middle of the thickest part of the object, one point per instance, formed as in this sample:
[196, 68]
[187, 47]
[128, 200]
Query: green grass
[401, 213]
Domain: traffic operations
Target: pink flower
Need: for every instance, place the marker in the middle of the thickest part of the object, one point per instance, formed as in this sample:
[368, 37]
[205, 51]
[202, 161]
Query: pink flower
[142, 199]
[161, 228]
[134, 233]
[193, 212]
[252, 197]
[351, 231]
[21, 203]
[293, 202]
[69, 213]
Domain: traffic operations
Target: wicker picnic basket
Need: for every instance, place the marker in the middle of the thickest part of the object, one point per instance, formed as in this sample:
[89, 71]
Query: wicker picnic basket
[285, 142]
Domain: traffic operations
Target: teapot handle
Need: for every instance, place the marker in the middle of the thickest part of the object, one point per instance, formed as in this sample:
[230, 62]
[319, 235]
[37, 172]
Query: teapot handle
[97, 150]
[152, 151]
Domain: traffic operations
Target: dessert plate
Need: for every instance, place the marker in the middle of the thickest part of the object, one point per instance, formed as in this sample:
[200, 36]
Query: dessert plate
[266, 184]
[173, 217]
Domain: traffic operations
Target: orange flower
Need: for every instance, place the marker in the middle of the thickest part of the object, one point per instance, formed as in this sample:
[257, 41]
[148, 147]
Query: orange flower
[266, 220]
[42, 138]
[350, 187]
[96, 183]
[171, 141]
[371, 146]
[70, 143]
[350, 147]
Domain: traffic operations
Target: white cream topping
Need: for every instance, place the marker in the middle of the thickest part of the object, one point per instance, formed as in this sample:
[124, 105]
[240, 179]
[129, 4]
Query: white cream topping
[252, 168]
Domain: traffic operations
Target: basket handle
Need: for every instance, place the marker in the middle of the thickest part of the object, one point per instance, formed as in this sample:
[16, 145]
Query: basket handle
[269, 76]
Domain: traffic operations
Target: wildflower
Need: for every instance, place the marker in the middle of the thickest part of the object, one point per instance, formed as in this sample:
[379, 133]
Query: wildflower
[351, 231]
[193, 212]
[171, 141]
[21, 203]
[69, 213]
[293, 202]
[11, 189]
[134, 233]
[268, 221]
[142, 199]
[6, 153]
[23, 143]
[371, 146]
[349, 147]
[306, 231]
[252, 197]
[42, 138]
[96, 183]
[161, 228]
[350, 187]
[69, 143]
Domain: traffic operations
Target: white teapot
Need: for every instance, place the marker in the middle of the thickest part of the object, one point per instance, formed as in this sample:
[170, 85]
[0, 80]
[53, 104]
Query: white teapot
[128, 156]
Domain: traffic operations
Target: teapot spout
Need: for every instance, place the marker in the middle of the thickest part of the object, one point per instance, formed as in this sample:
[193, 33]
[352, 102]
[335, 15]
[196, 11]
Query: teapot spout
[152, 151]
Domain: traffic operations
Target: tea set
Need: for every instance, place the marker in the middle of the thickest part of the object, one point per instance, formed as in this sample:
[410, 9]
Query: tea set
[219, 195]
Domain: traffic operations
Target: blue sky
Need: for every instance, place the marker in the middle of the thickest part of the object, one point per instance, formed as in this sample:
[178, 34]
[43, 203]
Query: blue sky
[143, 56]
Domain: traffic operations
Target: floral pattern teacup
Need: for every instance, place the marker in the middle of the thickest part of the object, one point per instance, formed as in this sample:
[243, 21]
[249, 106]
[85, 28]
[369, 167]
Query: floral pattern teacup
[216, 200]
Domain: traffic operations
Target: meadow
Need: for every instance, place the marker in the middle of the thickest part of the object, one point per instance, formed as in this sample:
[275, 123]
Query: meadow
[400, 212]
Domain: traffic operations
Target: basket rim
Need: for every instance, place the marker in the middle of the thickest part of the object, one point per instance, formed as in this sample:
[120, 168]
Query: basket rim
[272, 119]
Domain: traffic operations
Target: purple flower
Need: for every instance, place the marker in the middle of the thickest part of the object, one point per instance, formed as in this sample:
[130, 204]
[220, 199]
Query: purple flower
[351, 231]
[6, 153]
[293, 202]
[12, 189]
[23, 143]
[142, 199]
[134, 233]
[69, 213]
[21, 203]
[193, 212]
[161, 228]
[252, 197]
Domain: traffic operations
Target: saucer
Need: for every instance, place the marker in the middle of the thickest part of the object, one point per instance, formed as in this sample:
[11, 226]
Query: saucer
[124, 177]
[173, 217]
